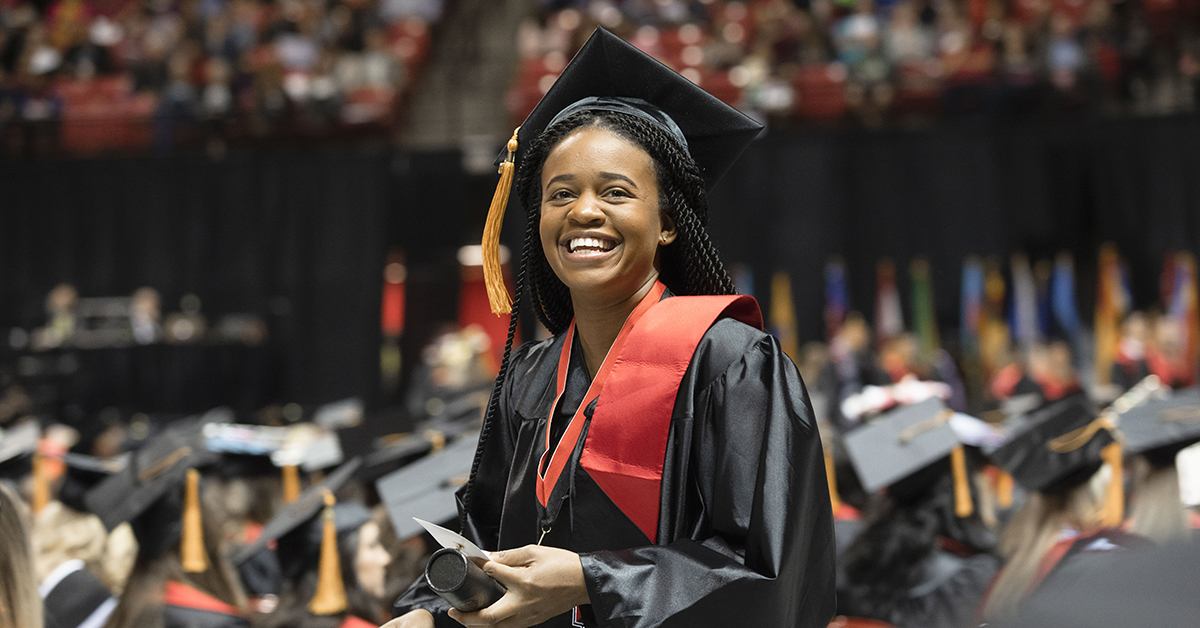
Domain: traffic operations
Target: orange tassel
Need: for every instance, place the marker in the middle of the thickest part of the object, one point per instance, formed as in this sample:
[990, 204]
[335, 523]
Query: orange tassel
[330, 597]
[834, 498]
[963, 506]
[191, 543]
[41, 483]
[291, 483]
[1113, 511]
[1004, 488]
[493, 271]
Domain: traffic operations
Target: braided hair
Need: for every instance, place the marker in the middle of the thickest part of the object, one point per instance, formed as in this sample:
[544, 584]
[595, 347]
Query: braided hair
[689, 266]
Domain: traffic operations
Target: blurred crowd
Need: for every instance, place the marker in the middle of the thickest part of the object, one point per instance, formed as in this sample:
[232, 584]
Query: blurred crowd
[875, 61]
[95, 74]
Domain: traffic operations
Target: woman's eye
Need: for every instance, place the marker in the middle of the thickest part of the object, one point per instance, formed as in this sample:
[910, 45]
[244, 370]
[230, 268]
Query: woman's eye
[618, 192]
[560, 194]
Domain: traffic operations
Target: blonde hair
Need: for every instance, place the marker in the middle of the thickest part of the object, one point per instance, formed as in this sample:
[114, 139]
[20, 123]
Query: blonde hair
[20, 604]
[1157, 511]
[62, 534]
[1034, 529]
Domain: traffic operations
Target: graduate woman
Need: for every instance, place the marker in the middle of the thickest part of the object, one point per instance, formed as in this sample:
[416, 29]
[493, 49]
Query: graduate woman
[657, 462]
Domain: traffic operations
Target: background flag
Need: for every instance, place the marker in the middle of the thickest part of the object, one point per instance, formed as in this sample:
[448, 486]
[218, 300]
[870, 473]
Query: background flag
[837, 300]
[889, 318]
[783, 315]
[1111, 304]
[924, 319]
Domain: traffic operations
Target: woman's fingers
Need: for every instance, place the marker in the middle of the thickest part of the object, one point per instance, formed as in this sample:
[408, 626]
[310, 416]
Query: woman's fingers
[419, 618]
[494, 615]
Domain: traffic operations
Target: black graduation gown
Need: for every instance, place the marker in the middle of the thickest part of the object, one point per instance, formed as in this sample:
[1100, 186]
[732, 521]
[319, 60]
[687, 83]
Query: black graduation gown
[745, 532]
[78, 598]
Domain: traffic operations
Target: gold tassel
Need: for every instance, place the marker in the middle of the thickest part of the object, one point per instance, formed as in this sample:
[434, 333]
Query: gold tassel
[191, 543]
[963, 506]
[330, 597]
[1004, 488]
[1113, 511]
[41, 483]
[834, 499]
[291, 483]
[493, 271]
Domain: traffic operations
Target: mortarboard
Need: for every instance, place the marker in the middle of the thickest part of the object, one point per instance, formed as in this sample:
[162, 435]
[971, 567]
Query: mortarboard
[83, 473]
[1061, 446]
[306, 540]
[1161, 425]
[1058, 446]
[425, 488]
[608, 74]
[158, 494]
[18, 443]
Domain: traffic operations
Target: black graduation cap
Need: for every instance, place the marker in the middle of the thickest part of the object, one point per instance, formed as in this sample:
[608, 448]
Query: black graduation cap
[17, 446]
[901, 443]
[425, 488]
[1162, 425]
[615, 75]
[1061, 446]
[295, 514]
[608, 74]
[83, 473]
[149, 491]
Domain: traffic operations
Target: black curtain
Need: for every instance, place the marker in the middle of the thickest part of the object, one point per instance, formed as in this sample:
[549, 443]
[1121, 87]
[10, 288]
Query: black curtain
[300, 237]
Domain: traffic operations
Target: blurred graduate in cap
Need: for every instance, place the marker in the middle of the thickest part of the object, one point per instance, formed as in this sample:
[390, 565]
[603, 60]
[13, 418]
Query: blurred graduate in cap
[656, 462]
[333, 564]
[181, 577]
[1071, 463]
[1157, 423]
[924, 559]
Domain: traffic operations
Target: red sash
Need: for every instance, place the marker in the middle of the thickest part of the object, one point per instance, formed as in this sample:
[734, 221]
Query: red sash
[627, 441]
[354, 622]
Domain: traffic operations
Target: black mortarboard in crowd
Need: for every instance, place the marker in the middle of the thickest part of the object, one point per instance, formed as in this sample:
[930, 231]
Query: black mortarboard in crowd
[158, 494]
[425, 489]
[83, 473]
[306, 538]
[608, 74]
[905, 441]
[1059, 447]
[1161, 425]
[18, 443]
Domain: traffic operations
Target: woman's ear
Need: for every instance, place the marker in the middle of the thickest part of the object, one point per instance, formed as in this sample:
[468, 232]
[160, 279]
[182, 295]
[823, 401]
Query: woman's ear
[668, 233]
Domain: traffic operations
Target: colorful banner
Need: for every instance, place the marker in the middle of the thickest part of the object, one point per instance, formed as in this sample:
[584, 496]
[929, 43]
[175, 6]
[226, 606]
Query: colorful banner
[924, 316]
[889, 318]
[1023, 313]
[1111, 305]
[783, 315]
[837, 299]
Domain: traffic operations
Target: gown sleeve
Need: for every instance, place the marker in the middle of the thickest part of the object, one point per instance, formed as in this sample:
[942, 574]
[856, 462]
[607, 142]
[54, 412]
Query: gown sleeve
[760, 548]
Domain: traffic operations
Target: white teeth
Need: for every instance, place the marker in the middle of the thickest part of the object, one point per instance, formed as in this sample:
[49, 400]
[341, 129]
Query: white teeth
[590, 243]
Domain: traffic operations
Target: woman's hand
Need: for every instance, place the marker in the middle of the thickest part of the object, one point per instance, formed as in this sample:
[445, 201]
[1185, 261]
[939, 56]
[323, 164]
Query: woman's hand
[542, 582]
[419, 618]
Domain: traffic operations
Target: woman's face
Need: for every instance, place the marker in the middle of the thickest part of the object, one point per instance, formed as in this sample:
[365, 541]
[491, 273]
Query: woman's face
[600, 221]
[370, 567]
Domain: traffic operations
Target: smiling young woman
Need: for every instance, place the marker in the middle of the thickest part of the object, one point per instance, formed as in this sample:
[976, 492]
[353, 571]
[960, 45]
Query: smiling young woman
[656, 462]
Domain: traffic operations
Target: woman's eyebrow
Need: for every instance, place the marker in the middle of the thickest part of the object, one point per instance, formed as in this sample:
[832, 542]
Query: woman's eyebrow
[561, 177]
[621, 177]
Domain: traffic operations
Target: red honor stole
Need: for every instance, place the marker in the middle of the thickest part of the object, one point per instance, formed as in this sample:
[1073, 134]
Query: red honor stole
[627, 441]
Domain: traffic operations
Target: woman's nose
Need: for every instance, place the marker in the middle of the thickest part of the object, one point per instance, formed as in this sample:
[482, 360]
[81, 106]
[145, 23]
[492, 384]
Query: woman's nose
[586, 210]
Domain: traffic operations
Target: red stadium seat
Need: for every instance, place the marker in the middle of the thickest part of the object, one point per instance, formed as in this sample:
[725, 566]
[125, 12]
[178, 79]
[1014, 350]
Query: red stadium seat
[821, 92]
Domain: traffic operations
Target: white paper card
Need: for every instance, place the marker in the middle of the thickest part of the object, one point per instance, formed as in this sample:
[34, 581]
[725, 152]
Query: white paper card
[1188, 464]
[452, 539]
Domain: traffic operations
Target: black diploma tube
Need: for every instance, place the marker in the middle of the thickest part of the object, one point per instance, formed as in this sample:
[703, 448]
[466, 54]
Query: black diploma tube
[459, 581]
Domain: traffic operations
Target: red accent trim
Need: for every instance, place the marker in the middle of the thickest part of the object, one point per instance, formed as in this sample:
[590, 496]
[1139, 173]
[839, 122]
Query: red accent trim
[1050, 561]
[354, 622]
[1194, 520]
[627, 440]
[548, 474]
[846, 512]
[184, 596]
